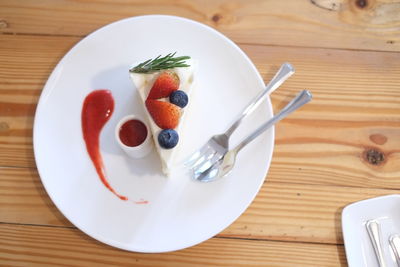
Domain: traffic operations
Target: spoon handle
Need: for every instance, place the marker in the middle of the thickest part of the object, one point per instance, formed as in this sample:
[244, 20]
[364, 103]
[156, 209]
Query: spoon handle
[374, 232]
[301, 99]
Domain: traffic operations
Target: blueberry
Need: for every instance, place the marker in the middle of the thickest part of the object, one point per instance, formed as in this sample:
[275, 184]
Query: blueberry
[168, 138]
[179, 98]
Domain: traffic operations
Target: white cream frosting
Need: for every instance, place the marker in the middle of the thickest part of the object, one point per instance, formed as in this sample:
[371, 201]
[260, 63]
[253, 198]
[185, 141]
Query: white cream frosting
[143, 83]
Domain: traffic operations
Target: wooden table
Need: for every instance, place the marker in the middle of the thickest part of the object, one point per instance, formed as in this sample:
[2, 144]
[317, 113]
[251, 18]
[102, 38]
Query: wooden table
[342, 147]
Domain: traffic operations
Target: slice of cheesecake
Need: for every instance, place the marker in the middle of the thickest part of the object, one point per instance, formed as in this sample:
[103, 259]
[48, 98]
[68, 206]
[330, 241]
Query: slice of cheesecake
[166, 96]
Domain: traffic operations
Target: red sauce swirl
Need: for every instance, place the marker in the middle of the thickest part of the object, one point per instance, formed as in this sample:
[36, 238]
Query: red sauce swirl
[96, 111]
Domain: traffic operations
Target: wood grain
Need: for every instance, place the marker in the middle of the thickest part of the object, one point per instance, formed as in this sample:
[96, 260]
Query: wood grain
[24, 200]
[281, 211]
[47, 246]
[341, 148]
[349, 24]
[355, 109]
[26, 63]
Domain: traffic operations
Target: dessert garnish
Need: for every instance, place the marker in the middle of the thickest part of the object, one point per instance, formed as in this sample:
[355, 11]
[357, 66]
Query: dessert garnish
[168, 138]
[179, 98]
[161, 63]
[166, 83]
[164, 114]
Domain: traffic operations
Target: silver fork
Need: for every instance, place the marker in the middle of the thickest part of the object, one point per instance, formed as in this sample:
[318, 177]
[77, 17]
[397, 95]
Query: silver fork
[217, 145]
[226, 161]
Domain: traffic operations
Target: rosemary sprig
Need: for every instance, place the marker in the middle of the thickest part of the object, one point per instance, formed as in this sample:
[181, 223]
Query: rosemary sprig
[161, 63]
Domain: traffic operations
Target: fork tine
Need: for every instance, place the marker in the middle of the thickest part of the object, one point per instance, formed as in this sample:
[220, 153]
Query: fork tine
[201, 168]
[204, 158]
[196, 156]
[209, 174]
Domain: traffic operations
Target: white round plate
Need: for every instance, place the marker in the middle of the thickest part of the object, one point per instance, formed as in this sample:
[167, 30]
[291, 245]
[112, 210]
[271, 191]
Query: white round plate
[180, 212]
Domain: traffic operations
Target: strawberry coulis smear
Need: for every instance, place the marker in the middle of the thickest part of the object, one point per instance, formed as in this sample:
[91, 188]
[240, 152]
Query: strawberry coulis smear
[96, 111]
[141, 202]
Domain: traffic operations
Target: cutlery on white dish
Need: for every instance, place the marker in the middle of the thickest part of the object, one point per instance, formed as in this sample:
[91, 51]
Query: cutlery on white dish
[394, 241]
[374, 231]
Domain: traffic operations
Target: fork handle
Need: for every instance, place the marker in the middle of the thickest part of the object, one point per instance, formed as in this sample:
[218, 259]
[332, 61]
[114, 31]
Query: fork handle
[284, 72]
[301, 99]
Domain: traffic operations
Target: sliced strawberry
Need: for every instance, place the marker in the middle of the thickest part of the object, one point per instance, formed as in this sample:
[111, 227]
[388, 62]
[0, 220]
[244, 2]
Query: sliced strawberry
[165, 84]
[164, 114]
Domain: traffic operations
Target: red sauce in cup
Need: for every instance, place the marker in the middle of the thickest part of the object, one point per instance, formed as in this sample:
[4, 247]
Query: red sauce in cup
[133, 133]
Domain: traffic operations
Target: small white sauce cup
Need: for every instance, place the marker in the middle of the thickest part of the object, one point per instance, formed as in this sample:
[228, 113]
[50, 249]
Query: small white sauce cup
[141, 150]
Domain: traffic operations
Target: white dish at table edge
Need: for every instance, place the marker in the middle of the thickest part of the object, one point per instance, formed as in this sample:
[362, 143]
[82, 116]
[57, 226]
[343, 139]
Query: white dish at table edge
[358, 246]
